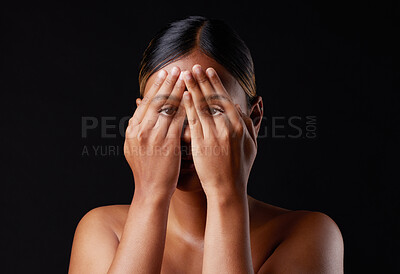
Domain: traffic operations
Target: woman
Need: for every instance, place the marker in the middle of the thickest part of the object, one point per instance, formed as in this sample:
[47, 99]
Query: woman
[191, 144]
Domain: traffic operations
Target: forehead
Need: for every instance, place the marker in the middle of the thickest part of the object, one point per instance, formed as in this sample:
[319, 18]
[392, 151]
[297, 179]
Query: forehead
[197, 57]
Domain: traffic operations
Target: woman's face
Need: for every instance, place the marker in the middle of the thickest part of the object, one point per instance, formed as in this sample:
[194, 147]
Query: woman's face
[231, 85]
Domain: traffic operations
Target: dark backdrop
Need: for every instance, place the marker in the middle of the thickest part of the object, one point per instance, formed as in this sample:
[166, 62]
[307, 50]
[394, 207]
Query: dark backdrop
[325, 73]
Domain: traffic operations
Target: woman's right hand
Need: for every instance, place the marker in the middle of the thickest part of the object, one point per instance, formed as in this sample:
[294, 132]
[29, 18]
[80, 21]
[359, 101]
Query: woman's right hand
[152, 139]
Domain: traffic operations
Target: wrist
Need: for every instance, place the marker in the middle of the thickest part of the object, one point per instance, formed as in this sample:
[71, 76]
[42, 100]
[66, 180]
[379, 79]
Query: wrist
[151, 197]
[225, 190]
[226, 197]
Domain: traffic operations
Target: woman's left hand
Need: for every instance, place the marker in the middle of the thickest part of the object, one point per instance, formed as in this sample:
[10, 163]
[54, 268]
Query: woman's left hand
[224, 144]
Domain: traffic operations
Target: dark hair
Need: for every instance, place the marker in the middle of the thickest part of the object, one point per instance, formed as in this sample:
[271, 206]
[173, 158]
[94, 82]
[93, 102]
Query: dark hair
[212, 37]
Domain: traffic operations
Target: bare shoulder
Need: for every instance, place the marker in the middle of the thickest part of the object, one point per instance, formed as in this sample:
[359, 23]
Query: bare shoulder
[97, 238]
[294, 220]
[316, 230]
[313, 221]
[307, 241]
[108, 211]
[105, 216]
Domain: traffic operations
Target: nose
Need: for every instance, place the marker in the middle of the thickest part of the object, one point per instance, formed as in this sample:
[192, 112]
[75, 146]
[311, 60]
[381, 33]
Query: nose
[185, 136]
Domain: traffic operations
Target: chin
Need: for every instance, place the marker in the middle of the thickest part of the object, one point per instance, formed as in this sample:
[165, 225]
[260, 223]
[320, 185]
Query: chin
[189, 181]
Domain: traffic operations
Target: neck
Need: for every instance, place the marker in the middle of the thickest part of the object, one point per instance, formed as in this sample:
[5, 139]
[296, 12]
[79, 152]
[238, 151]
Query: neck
[187, 214]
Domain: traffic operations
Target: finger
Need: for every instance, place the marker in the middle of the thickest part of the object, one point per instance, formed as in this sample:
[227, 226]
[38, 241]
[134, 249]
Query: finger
[176, 125]
[224, 97]
[142, 108]
[199, 103]
[158, 102]
[172, 103]
[196, 130]
[248, 123]
[176, 95]
[207, 89]
[196, 93]
[203, 82]
[163, 96]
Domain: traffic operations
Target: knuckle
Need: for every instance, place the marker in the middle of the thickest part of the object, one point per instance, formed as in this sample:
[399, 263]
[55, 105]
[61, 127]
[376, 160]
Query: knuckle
[132, 121]
[179, 85]
[192, 122]
[158, 83]
[239, 130]
[141, 136]
[168, 81]
[145, 100]
[157, 137]
[214, 80]
[202, 79]
[128, 132]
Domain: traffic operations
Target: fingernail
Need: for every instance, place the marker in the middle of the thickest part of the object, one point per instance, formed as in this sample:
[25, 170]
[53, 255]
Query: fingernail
[210, 72]
[181, 76]
[188, 75]
[162, 74]
[197, 68]
[174, 71]
[186, 95]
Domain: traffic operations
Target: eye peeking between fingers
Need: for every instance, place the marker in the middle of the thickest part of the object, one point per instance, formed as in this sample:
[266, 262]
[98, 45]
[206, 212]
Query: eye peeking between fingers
[168, 110]
[213, 111]
[172, 110]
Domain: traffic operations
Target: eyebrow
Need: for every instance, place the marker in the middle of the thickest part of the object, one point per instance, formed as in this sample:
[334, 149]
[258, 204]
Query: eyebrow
[215, 97]
[163, 97]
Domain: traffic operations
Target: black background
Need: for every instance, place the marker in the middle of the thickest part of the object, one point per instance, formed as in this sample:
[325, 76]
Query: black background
[328, 59]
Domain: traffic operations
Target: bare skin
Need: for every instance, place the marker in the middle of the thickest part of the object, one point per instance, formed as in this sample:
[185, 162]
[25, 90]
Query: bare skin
[200, 219]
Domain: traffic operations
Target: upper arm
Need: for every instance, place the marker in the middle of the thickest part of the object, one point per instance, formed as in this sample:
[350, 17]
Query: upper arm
[313, 245]
[94, 244]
